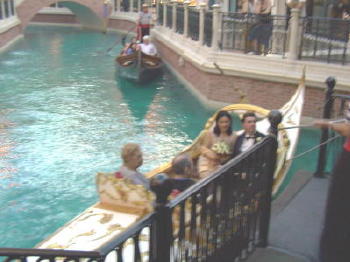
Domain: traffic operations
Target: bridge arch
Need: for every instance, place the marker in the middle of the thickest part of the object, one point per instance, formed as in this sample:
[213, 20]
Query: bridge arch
[90, 13]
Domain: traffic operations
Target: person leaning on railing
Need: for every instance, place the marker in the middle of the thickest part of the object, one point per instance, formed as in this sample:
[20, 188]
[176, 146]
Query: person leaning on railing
[335, 240]
[261, 30]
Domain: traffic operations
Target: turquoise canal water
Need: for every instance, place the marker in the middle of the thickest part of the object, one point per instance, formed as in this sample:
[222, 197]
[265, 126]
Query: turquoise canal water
[64, 116]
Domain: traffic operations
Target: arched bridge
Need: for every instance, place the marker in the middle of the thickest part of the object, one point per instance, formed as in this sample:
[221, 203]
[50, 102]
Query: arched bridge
[90, 13]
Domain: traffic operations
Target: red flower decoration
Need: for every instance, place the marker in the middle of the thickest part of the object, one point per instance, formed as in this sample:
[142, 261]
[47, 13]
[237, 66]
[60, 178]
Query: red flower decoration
[118, 175]
[175, 192]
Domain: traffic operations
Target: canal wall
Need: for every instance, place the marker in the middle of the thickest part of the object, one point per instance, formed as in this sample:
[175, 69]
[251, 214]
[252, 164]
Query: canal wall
[220, 78]
[10, 33]
[55, 15]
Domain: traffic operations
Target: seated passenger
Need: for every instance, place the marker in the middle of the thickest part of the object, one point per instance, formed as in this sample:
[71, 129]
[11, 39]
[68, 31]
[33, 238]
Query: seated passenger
[147, 47]
[182, 171]
[216, 145]
[250, 136]
[132, 159]
[129, 49]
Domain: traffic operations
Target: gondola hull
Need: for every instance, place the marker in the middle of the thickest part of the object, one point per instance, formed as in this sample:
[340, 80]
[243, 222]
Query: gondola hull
[139, 68]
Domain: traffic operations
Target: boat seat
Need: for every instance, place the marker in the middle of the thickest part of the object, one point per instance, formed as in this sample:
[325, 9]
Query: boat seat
[121, 195]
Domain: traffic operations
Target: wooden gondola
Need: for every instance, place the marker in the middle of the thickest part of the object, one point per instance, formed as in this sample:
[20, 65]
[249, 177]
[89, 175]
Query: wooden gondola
[122, 203]
[139, 67]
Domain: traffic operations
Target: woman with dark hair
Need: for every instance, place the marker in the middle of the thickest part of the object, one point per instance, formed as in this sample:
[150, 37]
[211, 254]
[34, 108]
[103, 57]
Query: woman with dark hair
[216, 145]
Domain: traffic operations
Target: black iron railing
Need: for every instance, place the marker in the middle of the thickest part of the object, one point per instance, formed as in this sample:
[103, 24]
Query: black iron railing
[138, 242]
[169, 16]
[254, 33]
[160, 14]
[325, 39]
[226, 216]
[180, 19]
[335, 107]
[208, 28]
[221, 218]
[26, 254]
[193, 24]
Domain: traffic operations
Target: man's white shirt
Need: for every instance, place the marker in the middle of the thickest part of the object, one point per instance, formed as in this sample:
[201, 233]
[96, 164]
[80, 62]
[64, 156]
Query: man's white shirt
[149, 49]
[247, 143]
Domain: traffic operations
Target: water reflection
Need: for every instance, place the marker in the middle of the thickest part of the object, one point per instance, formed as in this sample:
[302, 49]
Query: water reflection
[70, 122]
[7, 170]
[137, 97]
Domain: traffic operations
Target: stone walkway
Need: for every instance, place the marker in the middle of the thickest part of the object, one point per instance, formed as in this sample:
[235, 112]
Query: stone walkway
[272, 255]
[296, 222]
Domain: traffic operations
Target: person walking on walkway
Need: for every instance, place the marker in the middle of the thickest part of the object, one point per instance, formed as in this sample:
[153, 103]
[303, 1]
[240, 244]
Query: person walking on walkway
[335, 240]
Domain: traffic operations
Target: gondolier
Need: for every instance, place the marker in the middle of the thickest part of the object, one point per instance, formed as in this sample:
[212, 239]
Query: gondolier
[144, 22]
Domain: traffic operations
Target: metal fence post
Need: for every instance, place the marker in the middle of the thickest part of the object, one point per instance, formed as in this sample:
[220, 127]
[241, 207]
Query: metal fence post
[275, 118]
[162, 187]
[202, 7]
[327, 111]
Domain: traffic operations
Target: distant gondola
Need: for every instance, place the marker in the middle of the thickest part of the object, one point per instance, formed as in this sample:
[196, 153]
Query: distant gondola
[139, 67]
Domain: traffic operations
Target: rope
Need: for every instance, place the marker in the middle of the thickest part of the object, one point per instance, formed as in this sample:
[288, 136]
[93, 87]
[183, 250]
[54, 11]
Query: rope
[315, 147]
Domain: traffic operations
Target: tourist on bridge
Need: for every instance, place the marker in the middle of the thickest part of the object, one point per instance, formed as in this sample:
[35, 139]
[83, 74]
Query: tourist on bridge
[261, 30]
[250, 136]
[132, 159]
[216, 145]
[144, 22]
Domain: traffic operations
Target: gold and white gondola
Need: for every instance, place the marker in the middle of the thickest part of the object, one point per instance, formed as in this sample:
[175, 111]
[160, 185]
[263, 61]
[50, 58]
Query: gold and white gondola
[122, 203]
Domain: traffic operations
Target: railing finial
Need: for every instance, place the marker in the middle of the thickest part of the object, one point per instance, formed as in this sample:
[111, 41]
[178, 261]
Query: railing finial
[330, 81]
[275, 118]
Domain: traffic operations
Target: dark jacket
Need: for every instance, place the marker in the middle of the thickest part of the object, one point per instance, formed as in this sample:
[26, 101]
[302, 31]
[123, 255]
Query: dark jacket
[239, 141]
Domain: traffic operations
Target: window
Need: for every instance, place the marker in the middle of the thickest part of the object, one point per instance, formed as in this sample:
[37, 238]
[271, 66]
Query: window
[1, 8]
[12, 5]
[6, 6]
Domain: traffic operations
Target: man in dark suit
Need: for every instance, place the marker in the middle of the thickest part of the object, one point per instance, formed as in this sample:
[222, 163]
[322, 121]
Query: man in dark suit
[249, 137]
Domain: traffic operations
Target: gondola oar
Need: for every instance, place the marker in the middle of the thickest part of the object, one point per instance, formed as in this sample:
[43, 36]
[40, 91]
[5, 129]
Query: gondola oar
[122, 40]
